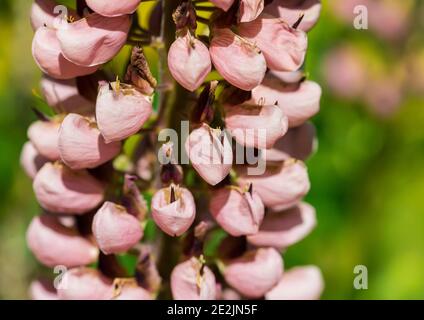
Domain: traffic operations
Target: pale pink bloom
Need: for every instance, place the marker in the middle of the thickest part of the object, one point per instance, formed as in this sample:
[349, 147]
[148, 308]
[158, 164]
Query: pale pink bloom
[190, 280]
[229, 294]
[60, 190]
[283, 47]
[299, 102]
[31, 161]
[44, 136]
[223, 4]
[210, 153]
[113, 8]
[94, 39]
[42, 289]
[254, 273]
[189, 61]
[43, 14]
[115, 229]
[290, 11]
[85, 284]
[81, 144]
[128, 289]
[238, 212]
[288, 76]
[63, 96]
[300, 283]
[280, 187]
[283, 229]
[238, 60]
[54, 244]
[121, 111]
[257, 126]
[173, 210]
[345, 72]
[249, 10]
[48, 55]
[299, 143]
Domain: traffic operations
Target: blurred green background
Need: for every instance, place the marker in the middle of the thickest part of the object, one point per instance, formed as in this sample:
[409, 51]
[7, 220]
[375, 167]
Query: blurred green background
[367, 176]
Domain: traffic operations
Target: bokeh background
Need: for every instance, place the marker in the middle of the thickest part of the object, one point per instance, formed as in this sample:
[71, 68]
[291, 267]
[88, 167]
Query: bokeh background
[367, 176]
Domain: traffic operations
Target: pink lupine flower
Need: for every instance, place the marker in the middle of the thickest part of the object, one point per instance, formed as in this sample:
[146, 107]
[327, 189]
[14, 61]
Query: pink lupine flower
[280, 187]
[223, 4]
[61, 190]
[290, 11]
[300, 283]
[229, 294]
[173, 210]
[299, 102]
[43, 14]
[44, 136]
[283, 229]
[81, 144]
[94, 39]
[121, 110]
[113, 8]
[63, 96]
[42, 289]
[210, 153]
[283, 47]
[288, 76]
[238, 60]
[299, 143]
[48, 55]
[54, 244]
[238, 212]
[85, 284]
[128, 289]
[351, 82]
[257, 126]
[115, 229]
[249, 10]
[31, 161]
[189, 61]
[254, 273]
[192, 280]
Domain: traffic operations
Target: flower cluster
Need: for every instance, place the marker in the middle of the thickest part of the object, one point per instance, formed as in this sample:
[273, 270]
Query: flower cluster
[94, 195]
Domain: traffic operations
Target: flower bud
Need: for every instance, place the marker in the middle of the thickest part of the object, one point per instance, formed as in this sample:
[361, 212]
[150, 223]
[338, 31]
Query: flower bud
[229, 294]
[288, 76]
[31, 161]
[299, 143]
[223, 4]
[257, 126]
[63, 96]
[192, 280]
[85, 284]
[44, 137]
[291, 10]
[173, 210]
[299, 102]
[113, 8]
[189, 61]
[43, 13]
[81, 144]
[48, 55]
[283, 47]
[60, 190]
[280, 187]
[128, 289]
[249, 10]
[54, 244]
[210, 153]
[94, 39]
[239, 61]
[300, 283]
[254, 273]
[238, 212]
[283, 229]
[42, 289]
[115, 229]
[121, 111]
